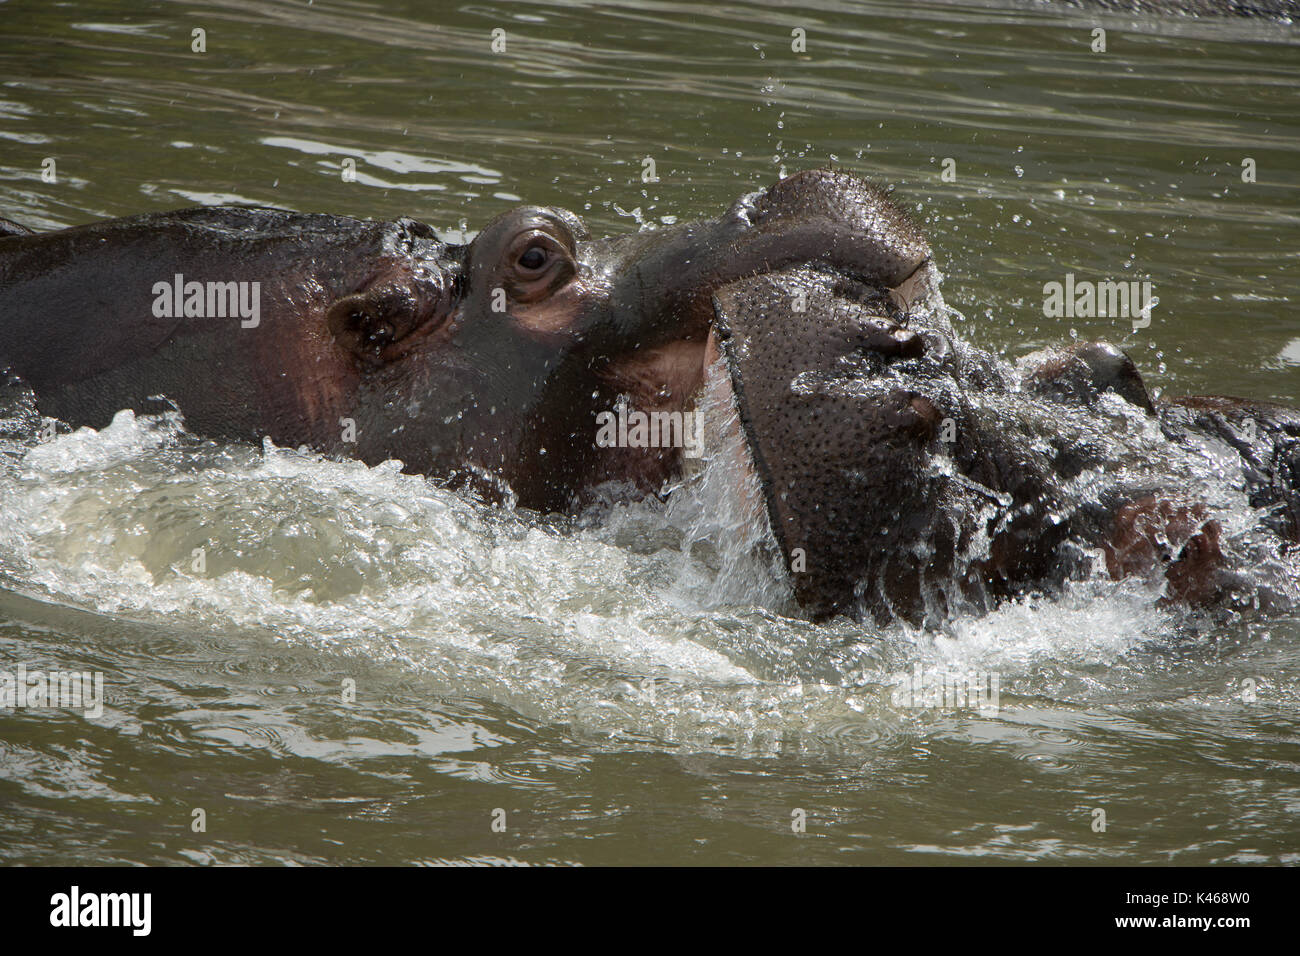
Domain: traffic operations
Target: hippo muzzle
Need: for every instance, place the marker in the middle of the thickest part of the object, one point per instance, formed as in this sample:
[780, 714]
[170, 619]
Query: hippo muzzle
[908, 475]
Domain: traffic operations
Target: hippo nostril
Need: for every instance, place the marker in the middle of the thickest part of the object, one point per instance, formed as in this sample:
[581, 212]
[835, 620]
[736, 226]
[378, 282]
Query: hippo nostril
[366, 323]
[367, 326]
[910, 345]
[883, 336]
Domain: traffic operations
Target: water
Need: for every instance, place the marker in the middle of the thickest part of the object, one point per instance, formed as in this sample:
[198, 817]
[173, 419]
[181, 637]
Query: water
[636, 688]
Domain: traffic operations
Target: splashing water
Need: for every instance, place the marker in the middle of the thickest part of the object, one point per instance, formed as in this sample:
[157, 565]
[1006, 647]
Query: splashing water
[665, 620]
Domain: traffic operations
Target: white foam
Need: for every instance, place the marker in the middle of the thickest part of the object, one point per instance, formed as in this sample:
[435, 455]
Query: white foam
[666, 619]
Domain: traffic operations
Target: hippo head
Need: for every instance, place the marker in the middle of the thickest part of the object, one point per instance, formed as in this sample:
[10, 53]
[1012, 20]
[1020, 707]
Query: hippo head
[502, 358]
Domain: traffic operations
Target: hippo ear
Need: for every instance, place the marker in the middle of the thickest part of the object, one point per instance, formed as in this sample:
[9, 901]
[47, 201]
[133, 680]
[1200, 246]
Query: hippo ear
[367, 323]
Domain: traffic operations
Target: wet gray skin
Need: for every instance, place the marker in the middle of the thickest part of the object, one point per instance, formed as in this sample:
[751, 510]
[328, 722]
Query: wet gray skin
[484, 363]
[909, 475]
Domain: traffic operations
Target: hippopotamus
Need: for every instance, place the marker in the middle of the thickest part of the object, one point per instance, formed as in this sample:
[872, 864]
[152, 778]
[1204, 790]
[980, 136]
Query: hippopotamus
[909, 475]
[485, 363]
[903, 473]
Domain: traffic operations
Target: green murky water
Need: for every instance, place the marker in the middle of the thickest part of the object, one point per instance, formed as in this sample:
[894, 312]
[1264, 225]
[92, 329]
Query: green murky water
[608, 692]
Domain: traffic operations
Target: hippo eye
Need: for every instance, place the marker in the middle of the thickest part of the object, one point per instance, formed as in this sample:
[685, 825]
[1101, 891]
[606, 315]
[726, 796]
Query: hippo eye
[529, 252]
[538, 262]
[534, 258]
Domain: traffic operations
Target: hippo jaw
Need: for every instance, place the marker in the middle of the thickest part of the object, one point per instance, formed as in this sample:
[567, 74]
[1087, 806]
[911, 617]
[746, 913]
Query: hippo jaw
[841, 399]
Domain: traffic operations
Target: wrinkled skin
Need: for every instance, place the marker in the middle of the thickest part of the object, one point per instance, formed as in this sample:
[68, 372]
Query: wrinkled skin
[890, 489]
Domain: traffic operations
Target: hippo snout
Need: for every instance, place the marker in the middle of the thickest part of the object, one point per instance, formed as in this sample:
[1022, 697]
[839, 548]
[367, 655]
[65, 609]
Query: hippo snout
[845, 223]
